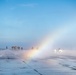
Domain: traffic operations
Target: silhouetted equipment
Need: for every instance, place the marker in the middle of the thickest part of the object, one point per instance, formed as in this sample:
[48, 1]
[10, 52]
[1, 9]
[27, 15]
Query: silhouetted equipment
[21, 48]
[6, 47]
[16, 48]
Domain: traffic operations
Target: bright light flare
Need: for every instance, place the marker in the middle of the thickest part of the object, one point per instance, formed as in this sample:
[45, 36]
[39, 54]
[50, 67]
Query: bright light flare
[58, 51]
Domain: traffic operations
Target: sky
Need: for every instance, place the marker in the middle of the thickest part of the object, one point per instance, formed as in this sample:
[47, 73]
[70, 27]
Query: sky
[27, 22]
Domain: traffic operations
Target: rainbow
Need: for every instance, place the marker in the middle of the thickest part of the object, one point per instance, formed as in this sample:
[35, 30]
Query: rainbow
[48, 42]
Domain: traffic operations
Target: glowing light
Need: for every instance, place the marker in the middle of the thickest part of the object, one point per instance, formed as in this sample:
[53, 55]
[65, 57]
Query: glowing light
[55, 50]
[60, 51]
